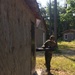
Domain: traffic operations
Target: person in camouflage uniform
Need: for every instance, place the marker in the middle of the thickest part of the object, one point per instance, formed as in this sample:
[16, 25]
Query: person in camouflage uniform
[51, 44]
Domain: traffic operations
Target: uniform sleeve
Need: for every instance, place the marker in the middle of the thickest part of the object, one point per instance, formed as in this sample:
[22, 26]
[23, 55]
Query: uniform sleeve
[45, 44]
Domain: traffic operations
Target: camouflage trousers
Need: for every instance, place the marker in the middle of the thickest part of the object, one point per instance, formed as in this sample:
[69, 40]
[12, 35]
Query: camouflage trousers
[48, 57]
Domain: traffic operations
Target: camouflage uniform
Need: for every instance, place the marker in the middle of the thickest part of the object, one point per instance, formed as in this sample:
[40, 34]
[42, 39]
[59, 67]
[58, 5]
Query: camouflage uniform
[48, 53]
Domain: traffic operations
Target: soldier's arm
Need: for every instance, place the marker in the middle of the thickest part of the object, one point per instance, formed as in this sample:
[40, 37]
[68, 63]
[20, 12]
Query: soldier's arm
[44, 45]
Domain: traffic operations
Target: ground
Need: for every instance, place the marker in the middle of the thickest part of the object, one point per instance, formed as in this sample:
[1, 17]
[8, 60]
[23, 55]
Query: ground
[65, 64]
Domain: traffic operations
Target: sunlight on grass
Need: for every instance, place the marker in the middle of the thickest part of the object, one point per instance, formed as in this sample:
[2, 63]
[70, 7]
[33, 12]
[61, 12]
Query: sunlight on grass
[66, 45]
[58, 63]
[40, 62]
[62, 63]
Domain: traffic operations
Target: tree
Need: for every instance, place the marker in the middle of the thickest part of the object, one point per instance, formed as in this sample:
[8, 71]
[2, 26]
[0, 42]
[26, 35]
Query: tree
[67, 18]
[55, 19]
[48, 14]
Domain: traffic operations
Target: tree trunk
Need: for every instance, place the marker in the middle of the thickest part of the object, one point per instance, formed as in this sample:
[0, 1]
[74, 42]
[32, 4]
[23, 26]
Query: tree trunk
[55, 19]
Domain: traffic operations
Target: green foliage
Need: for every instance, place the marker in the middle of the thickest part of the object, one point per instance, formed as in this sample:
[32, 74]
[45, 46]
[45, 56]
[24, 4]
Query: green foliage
[65, 18]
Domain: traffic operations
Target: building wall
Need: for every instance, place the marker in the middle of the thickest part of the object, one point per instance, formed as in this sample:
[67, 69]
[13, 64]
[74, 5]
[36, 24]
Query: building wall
[15, 37]
[40, 36]
[69, 36]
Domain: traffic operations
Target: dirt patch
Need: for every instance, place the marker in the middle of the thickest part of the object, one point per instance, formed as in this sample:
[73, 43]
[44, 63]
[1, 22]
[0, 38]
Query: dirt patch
[59, 72]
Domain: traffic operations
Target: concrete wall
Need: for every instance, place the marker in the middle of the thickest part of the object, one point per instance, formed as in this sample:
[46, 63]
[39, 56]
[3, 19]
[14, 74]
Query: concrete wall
[15, 37]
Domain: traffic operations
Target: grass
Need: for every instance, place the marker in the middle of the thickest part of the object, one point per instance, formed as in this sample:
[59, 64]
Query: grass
[62, 63]
[66, 45]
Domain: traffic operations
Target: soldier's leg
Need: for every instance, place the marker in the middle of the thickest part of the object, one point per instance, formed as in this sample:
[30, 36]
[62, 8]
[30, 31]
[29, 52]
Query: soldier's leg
[49, 61]
[46, 59]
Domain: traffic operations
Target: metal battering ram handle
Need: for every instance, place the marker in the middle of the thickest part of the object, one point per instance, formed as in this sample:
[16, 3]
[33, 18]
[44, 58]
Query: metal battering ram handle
[42, 49]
